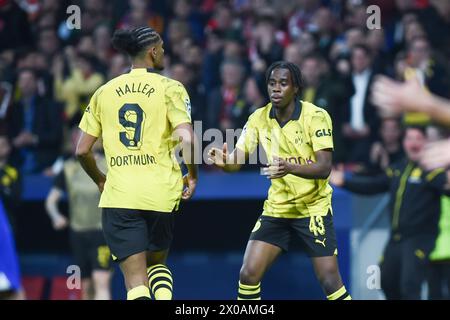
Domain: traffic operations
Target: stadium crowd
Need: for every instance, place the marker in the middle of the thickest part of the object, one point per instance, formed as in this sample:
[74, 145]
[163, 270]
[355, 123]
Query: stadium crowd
[220, 50]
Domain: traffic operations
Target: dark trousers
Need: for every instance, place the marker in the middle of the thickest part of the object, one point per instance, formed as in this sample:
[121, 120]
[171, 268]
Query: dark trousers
[405, 267]
[439, 281]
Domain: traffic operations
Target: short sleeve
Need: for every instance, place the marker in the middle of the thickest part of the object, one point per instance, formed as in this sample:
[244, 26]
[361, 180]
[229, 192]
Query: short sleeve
[60, 181]
[321, 131]
[248, 141]
[90, 122]
[178, 104]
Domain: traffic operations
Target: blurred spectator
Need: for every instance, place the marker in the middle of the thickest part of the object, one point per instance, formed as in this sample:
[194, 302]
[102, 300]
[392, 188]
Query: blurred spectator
[178, 38]
[376, 43]
[89, 248]
[356, 16]
[292, 54]
[427, 69]
[388, 150]
[35, 127]
[329, 91]
[344, 44]
[212, 60]
[421, 66]
[139, 15]
[182, 73]
[361, 121]
[10, 187]
[255, 94]
[15, 31]
[265, 49]
[303, 15]
[40, 64]
[94, 13]
[102, 47]
[10, 182]
[119, 65]
[48, 42]
[226, 108]
[222, 21]
[323, 26]
[306, 43]
[83, 80]
[414, 211]
[184, 10]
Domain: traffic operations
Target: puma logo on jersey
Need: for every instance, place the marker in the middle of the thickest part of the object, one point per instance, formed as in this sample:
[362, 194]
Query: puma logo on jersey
[321, 242]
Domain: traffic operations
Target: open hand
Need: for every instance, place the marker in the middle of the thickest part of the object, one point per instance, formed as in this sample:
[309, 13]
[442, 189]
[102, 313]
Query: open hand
[436, 155]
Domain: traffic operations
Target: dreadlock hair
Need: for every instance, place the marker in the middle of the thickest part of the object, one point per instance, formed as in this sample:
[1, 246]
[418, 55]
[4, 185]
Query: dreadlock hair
[134, 41]
[296, 75]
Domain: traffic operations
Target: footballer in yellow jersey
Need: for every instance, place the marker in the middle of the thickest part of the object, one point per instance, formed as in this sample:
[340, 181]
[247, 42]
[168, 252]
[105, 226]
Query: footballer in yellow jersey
[141, 116]
[297, 138]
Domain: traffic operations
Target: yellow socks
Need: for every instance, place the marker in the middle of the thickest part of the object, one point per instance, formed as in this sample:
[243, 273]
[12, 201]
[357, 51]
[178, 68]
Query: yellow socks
[160, 282]
[249, 292]
[138, 293]
[340, 294]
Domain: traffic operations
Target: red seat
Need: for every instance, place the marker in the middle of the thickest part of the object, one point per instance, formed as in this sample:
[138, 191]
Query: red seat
[34, 287]
[60, 291]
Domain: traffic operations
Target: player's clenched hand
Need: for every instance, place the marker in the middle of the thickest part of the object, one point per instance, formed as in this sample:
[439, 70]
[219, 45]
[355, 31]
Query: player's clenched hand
[277, 169]
[218, 157]
[189, 185]
[60, 222]
[337, 176]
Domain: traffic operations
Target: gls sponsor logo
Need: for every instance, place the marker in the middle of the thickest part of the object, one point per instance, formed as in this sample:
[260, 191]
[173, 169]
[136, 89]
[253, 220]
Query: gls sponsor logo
[323, 133]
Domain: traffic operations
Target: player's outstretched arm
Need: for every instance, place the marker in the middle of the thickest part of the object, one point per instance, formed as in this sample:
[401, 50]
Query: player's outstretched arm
[436, 155]
[396, 97]
[359, 184]
[87, 160]
[189, 145]
[228, 162]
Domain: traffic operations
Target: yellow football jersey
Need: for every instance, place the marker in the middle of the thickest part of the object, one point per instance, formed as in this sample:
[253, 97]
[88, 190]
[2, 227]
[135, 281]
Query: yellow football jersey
[135, 114]
[309, 130]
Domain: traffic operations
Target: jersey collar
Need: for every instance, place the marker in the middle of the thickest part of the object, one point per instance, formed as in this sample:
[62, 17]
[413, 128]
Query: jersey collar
[142, 70]
[295, 115]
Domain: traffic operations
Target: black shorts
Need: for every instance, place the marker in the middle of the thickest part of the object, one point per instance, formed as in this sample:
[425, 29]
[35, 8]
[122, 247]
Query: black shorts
[130, 231]
[317, 235]
[90, 251]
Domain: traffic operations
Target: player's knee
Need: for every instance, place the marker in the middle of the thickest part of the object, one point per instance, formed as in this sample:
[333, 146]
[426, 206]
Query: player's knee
[329, 278]
[249, 275]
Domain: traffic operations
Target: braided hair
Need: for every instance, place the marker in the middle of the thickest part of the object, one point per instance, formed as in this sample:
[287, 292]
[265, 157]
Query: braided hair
[134, 41]
[296, 75]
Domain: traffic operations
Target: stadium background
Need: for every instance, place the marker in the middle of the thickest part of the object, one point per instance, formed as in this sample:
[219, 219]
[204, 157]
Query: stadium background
[219, 51]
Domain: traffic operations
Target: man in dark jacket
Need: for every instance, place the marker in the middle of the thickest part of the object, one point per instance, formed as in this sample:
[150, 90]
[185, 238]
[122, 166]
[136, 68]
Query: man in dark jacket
[34, 127]
[415, 209]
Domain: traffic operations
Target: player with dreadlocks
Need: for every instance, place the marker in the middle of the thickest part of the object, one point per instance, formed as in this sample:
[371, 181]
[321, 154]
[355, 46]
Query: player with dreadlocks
[297, 138]
[138, 115]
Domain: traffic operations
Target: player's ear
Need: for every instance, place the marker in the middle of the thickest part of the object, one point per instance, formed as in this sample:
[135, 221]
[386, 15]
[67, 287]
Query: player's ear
[152, 52]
